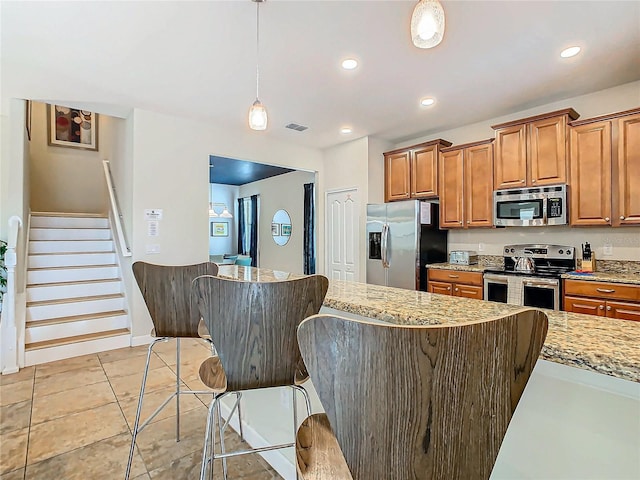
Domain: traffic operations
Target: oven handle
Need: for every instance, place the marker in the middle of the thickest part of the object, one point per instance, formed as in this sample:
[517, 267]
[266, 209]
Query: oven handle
[540, 284]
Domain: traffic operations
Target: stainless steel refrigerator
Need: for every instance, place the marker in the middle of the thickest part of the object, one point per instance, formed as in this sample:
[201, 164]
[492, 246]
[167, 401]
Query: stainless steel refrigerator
[402, 237]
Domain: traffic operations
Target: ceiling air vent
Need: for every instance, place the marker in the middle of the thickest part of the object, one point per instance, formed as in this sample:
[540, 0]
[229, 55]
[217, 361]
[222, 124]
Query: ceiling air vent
[296, 127]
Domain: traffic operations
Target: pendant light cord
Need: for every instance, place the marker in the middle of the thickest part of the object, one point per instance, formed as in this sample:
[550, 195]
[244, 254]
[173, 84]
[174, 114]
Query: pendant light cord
[257, 49]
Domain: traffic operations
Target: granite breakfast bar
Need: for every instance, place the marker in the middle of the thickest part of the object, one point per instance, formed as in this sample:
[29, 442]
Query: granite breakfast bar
[580, 411]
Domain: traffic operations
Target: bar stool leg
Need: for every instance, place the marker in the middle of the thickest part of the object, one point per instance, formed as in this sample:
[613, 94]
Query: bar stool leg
[222, 450]
[208, 440]
[295, 420]
[238, 398]
[134, 433]
[177, 389]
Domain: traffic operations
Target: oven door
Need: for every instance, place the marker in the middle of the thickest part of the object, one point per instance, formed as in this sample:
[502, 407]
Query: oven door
[541, 293]
[495, 287]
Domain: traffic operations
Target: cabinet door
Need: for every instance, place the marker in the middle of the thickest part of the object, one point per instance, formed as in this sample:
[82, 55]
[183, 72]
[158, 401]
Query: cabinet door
[584, 305]
[451, 192]
[478, 186]
[548, 151]
[467, 291]
[511, 157]
[628, 181]
[591, 174]
[623, 311]
[439, 287]
[396, 176]
[424, 172]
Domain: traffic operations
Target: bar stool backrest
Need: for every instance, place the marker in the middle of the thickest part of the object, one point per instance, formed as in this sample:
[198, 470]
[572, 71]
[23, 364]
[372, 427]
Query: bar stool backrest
[166, 290]
[421, 402]
[253, 326]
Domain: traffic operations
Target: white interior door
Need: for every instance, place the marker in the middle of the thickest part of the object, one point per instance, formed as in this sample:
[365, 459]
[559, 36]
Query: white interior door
[343, 224]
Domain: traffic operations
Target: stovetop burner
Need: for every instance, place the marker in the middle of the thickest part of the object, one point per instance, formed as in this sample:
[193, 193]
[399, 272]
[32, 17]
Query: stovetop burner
[549, 261]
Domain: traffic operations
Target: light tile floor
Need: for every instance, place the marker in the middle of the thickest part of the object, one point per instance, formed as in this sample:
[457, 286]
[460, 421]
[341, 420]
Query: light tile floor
[72, 419]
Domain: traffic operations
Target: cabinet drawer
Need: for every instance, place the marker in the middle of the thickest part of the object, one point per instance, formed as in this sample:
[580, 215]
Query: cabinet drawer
[584, 305]
[439, 287]
[467, 291]
[624, 311]
[602, 290]
[455, 276]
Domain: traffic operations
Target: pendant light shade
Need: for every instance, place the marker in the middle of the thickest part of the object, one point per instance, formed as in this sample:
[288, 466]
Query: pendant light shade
[427, 24]
[212, 212]
[258, 116]
[258, 112]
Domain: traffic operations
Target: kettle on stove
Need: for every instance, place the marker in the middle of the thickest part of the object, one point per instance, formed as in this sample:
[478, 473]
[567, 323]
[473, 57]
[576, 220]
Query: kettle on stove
[524, 264]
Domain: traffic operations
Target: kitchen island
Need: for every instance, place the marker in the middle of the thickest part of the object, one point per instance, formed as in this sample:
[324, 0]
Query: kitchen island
[580, 411]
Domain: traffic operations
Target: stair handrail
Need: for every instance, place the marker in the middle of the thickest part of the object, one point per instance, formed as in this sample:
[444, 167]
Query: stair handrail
[115, 210]
[8, 327]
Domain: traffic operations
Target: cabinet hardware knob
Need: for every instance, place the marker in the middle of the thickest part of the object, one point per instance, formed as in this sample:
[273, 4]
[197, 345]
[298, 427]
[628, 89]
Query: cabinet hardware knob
[533, 181]
[468, 221]
[460, 222]
[606, 219]
[448, 288]
[457, 289]
[521, 181]
[608, 307]
[601, 307]
[621, 217]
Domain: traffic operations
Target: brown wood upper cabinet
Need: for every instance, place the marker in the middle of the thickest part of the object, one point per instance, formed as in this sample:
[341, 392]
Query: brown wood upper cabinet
[412, 172]
[605, 170]
[466, 185]
[532, 151]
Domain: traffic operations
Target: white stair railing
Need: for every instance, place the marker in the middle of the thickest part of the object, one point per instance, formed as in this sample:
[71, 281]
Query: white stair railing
[115, 211]
[9, 330]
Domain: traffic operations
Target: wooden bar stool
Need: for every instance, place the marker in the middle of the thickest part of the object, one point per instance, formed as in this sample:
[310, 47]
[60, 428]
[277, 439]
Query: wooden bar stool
[166, 290]
[253, 326]
[413, 402]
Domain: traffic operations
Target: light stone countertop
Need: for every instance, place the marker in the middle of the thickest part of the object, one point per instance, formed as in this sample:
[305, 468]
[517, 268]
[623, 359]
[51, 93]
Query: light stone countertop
[622, 277]
[458, 268]
[599, 344]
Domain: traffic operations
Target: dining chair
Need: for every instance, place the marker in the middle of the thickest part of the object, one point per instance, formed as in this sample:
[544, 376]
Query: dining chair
[413, 402]
[166, 290]
[253, 325]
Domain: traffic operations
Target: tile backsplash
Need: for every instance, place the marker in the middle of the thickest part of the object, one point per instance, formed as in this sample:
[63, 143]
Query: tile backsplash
[624, 241]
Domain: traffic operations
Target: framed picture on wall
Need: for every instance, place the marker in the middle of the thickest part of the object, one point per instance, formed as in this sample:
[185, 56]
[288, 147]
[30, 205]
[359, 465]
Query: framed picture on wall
[286, 230]
[275, 229]
[219, 229]
[72, 127]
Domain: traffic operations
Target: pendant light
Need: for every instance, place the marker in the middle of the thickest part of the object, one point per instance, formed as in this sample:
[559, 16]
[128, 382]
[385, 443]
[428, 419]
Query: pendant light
[427, 24]
[258, 112]
[212, 212]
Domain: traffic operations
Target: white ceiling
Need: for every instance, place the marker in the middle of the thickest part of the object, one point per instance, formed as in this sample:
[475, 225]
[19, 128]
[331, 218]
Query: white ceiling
[197, 59]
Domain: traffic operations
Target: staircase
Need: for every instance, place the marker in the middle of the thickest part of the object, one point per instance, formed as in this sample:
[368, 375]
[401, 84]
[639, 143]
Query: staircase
[75, 299]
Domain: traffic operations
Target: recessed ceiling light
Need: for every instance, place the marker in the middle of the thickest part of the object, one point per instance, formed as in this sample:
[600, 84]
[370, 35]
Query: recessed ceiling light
[346, 130]
[570, 52]
[425, 102]
[349, 63]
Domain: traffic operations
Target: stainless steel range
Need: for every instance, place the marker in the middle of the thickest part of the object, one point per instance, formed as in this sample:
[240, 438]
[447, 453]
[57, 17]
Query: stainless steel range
[531, 275]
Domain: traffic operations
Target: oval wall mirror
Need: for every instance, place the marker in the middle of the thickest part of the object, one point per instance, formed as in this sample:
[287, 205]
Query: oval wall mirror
[281, 227]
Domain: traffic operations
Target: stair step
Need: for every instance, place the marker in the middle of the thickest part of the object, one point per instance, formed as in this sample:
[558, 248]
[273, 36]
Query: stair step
[69, 233]
[75, 339]
[68, 220]
[86, 288]
[47, 310]
[40, 276]
[53, 329]
[69, 246]
[72, 259]
[60, 301]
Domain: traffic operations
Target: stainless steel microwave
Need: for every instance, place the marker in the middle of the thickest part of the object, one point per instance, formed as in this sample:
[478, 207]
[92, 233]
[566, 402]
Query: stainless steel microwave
[530, 207]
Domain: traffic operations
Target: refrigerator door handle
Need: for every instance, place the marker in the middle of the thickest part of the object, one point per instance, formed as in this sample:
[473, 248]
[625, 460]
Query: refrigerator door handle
[384, 246]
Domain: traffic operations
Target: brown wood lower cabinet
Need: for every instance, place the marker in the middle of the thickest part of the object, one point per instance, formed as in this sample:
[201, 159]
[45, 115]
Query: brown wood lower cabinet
[455, 283]
[612, 300]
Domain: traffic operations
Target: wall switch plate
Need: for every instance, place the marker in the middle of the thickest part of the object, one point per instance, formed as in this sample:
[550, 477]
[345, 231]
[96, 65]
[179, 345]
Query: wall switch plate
[481, 247]
[607, 249]
[152, 249]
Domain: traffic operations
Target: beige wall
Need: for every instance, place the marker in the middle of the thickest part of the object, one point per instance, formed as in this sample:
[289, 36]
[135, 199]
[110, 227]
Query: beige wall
[67, 179]
[170, 172]
[625, 240]
[284, 192]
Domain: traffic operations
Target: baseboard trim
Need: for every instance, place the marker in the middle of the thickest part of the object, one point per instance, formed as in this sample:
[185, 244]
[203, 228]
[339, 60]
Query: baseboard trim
[276, 459]
[141, 340]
